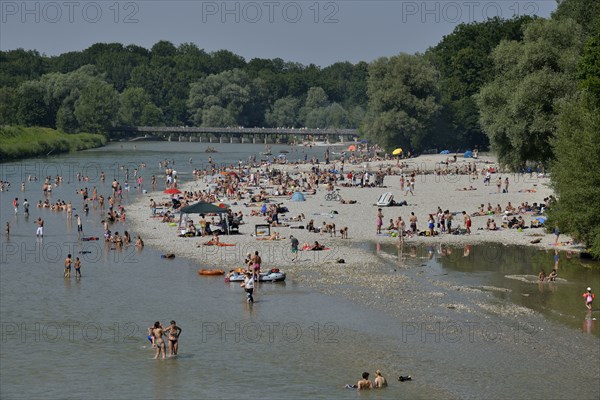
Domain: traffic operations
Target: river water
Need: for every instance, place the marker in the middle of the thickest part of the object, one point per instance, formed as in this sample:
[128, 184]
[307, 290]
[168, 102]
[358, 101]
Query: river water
[86, 338]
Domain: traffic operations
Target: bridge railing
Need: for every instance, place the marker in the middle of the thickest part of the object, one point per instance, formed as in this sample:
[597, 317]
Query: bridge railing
[234, 130]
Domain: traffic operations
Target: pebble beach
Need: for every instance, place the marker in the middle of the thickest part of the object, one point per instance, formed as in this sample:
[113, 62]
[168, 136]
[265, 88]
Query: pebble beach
[431, 191]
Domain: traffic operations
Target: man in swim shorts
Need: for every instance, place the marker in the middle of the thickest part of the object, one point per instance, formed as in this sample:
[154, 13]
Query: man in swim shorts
[173, 332]
[67, 270]
[256, 262]
[40, 229]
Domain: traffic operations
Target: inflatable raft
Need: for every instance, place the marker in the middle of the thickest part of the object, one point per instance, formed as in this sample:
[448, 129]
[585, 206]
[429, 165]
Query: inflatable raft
[273, 275]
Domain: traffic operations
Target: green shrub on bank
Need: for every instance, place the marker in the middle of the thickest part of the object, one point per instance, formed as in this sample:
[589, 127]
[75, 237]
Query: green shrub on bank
[20, 142]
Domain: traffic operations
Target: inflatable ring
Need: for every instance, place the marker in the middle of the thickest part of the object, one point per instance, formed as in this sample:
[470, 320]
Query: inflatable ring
[210, 272]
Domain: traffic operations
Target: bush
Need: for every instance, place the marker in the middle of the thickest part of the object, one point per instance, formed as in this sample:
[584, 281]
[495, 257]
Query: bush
[21, 142]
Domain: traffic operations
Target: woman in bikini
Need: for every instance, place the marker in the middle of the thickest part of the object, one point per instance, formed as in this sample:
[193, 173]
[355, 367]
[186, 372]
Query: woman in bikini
[158, 332]
[173, 335]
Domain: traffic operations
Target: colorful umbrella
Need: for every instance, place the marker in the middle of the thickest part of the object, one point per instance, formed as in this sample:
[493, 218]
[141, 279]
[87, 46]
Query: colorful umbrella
[397, 151]
[172, 191]
[352, 148]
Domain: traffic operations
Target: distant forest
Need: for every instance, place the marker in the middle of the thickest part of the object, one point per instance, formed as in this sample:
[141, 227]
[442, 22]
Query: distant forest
[448, 97]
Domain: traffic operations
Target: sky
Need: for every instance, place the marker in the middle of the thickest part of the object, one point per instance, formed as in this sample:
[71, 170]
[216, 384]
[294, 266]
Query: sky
[305, 31]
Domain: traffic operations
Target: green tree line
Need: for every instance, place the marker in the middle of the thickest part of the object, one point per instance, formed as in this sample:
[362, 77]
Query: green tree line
[110, 84]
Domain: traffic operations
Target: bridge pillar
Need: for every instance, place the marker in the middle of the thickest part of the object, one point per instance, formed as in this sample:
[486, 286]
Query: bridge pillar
[253, 139]
[210, 139]
[169, 138]
[190, 138]
[231, 139]
[242, 139]
[266, 136]
[221, 139]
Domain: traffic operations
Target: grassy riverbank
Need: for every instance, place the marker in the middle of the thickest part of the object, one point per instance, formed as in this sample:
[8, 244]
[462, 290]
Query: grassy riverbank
[21, 142]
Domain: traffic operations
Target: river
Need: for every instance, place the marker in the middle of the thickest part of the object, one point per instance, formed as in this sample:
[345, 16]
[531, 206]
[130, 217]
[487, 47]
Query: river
[86, 338]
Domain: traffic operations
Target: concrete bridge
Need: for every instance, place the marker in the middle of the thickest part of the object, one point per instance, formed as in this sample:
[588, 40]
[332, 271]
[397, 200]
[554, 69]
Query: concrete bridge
[234, 135]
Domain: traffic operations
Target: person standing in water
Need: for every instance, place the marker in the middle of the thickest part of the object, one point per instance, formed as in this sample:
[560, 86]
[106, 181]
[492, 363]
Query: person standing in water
[173, 332]
[158, 332]
[248, 286]
[79, 224]
[67, 270]
[77, 266]
[589, 298]
[40, 229]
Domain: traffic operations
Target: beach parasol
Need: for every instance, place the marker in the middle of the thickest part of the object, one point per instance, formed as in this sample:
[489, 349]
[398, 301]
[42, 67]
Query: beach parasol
[352, 148]
[172, 191]
[397, 151]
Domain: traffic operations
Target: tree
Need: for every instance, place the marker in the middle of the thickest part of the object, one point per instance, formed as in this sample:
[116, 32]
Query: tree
[31, 107]
[151, 116]
[228, 91]
[585, 12]
[576, 170]
[65, 117]
[217, 116]
[21, 65]
[589, 66]
[132, 102]
[8, 106]
[518, 108]
[284, 113]
[464, 62]
[402, 101]
[97, 108]
[315, 98]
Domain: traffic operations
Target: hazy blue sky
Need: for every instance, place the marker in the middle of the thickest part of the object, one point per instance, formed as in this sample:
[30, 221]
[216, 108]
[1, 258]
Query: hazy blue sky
[307, 31]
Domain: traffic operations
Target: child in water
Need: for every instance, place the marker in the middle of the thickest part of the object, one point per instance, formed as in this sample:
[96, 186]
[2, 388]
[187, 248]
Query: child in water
[151, 337]
[589, 298]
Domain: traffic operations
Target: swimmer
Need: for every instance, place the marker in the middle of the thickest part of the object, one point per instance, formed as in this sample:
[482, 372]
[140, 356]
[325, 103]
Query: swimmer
[380, 381]
[364, 383]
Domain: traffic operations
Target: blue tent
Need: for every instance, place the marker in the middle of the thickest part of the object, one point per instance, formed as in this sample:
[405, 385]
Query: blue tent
[297, 196]
[468, 154]
[444, 152]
